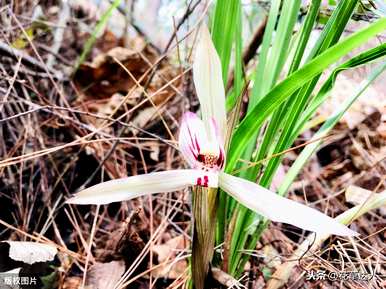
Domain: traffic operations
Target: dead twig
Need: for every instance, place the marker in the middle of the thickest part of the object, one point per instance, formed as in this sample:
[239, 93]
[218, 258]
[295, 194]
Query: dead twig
[26, 59]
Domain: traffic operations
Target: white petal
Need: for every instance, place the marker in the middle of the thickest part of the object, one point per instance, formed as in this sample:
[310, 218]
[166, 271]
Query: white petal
[136, 186]
[279, 209]
[31, 252]
[207, 77]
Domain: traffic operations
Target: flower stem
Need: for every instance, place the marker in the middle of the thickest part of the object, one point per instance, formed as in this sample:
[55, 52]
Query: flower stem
[204, 224]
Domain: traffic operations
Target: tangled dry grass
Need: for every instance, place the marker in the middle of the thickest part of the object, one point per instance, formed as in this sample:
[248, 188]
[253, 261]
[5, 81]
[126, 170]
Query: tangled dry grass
[117, 116]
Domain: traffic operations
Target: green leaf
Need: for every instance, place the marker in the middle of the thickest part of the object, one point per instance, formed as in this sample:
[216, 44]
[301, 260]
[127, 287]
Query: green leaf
[223, 31]
[257, 92]
[286, 117]
[279, 93]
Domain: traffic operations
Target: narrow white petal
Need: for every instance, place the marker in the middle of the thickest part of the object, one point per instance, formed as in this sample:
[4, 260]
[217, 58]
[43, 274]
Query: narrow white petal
[207, 77]
[279, 209]
[136, 186]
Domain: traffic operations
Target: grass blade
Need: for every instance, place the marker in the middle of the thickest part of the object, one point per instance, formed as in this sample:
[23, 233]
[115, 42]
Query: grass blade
[101, 24]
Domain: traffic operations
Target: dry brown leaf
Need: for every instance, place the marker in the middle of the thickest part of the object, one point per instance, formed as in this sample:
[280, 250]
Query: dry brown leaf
[382, 127]
[271, 256]
[72, 283]
[370, 101]
[104, 275]
[144, 116]
[155, 149]
[105, 109]
[226, 279]
[108, 41]
[356, 195]
[104, 76]
[168, 252]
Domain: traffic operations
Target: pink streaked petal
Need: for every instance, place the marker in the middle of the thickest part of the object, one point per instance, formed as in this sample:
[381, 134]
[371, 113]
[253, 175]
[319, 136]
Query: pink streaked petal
[279, 209]
[221, 159]
[216, 136]
[136, 186]
[191, 138]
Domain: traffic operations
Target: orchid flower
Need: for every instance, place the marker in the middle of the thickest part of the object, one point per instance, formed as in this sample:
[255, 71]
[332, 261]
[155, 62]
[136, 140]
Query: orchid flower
[201, 143]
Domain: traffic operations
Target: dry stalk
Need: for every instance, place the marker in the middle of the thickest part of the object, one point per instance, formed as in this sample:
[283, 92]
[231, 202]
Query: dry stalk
[204, 222]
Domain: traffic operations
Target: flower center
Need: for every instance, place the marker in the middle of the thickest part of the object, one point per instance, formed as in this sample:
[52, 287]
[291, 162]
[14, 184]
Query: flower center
[210, 160]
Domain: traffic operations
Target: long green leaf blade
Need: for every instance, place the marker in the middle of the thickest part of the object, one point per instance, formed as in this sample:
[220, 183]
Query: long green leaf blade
[280, 92]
